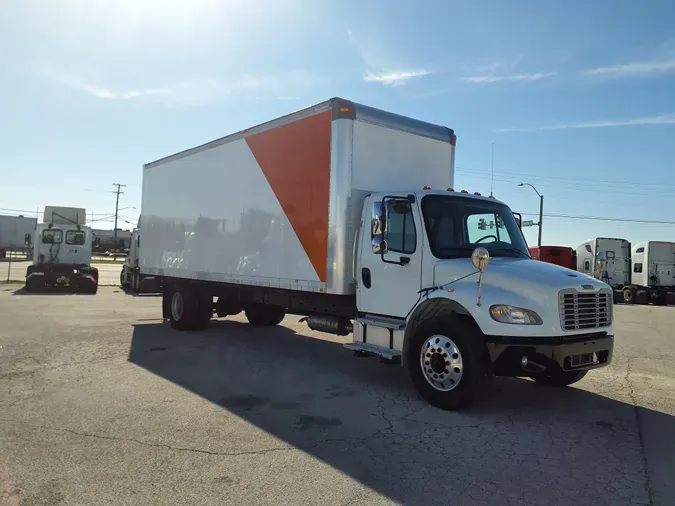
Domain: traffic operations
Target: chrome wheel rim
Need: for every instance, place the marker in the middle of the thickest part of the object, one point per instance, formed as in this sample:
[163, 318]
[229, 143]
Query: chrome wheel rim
[441, 363]
[177, 306]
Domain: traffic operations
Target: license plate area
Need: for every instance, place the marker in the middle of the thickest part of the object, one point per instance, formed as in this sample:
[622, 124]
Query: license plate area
[582, 360]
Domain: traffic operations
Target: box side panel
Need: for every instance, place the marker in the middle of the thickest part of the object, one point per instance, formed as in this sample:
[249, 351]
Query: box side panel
[387, 159]
[252, 211]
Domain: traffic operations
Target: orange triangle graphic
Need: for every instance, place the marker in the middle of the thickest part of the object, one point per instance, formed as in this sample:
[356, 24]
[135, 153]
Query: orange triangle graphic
[295, 159]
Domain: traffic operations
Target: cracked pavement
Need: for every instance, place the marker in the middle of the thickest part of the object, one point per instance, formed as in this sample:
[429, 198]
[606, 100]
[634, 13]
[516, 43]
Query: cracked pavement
[101, 403]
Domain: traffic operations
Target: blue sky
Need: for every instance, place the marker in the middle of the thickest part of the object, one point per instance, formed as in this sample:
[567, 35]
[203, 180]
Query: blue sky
[578, 97]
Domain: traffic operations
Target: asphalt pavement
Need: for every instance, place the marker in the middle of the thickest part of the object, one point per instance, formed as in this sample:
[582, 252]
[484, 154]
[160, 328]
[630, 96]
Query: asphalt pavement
[102, 403]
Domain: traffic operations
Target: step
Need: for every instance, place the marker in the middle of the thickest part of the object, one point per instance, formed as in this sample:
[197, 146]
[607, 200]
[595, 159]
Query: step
[382, 321]
[374, 349]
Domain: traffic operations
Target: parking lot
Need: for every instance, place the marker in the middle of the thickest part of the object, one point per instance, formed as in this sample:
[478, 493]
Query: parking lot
[102, 403]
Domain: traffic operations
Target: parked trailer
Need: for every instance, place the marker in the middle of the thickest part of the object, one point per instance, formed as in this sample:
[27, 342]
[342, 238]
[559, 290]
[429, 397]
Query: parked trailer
[329, 213]
[16, 233]
[559, 255]
[613, 261]
[653, 275]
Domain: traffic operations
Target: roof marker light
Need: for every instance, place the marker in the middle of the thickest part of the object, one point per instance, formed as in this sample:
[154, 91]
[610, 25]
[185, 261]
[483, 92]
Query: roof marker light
[451, 189]
[477, 193]
[427, 188]
[464, 191]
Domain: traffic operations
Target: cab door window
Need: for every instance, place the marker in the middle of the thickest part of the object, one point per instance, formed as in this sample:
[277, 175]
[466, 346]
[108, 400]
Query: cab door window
[400, 231]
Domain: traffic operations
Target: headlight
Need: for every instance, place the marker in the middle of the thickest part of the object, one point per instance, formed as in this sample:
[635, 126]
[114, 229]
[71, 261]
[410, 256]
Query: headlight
[511, 314]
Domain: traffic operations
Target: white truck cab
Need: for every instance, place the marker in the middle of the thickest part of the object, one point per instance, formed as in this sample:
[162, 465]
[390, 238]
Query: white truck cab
[452, 273]
[131, 277]
[62, 252]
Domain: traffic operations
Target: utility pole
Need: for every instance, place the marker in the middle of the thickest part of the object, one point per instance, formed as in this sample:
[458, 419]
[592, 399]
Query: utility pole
[541, 209]
[117, 207]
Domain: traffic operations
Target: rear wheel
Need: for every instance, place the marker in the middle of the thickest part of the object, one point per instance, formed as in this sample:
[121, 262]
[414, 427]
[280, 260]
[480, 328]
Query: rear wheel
[558, 378]
[445, 362]
[187, 308]
[628, 295]
[265, 316]
[661, 299]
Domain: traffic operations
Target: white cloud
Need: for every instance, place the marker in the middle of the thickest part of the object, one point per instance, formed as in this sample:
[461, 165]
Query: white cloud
[382, 72]
[635, 69]
[194, 91]
[515, 78]
[664, 119]
[79, 84]
[395, 78]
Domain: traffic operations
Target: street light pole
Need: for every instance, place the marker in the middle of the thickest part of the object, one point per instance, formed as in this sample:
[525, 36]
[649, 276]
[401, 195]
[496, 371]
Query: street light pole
[541, 210]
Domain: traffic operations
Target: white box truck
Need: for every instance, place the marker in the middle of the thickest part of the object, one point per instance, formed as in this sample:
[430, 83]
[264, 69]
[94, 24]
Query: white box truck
[16, 233]
[344, 214]
[62, 252]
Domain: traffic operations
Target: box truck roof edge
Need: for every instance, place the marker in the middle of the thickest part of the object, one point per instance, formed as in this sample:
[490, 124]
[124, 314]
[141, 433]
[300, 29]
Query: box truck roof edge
[340, 108]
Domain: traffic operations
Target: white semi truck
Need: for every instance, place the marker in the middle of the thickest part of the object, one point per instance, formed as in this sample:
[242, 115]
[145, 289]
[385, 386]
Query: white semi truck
[16, 234]
[131, 277]
[345, 215]
[62, 252]
[643, 273]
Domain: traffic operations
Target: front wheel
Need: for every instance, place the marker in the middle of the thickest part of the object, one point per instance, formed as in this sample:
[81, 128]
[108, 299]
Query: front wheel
[444, 360]
[558, 378]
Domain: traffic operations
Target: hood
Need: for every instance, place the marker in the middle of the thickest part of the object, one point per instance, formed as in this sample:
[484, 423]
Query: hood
[528, 275]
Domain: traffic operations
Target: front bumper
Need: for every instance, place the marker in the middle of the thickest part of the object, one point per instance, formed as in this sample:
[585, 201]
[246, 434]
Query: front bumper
[569, 353]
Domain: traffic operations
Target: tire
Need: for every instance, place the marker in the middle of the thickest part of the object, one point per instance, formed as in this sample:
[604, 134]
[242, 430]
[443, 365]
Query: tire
[184, 308]
[122, 279]
[661, 299]
[628, 295]
[558, 378]
[265, 316]
[456, 362]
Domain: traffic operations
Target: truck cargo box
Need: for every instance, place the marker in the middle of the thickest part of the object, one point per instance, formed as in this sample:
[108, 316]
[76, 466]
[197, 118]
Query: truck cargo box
[278, 205]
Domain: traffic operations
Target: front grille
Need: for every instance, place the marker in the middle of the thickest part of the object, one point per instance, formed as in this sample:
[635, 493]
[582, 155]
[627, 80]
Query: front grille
[580, 310]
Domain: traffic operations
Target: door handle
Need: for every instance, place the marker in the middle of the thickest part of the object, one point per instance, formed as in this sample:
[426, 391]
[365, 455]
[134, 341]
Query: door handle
[365, 277]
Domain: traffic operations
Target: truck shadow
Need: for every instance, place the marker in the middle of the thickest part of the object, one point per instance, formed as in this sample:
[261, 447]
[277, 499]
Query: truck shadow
[366, 420]
[50, 291]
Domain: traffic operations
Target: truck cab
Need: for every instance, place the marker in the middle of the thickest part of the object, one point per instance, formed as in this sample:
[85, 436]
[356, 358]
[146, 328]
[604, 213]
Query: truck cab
[62, 252]
[426, 294]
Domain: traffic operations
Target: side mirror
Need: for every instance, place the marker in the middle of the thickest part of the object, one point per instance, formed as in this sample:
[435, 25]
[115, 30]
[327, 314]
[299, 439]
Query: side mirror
[519, 220]
[480, 258]
[27, 240]
[379, 245]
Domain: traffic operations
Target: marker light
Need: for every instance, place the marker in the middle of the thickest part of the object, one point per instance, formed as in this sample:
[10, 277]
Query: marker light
[427, 188]
[464, 191]
[451, 189]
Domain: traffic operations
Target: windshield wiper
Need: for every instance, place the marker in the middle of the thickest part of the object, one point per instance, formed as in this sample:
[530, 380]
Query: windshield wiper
[518, 252]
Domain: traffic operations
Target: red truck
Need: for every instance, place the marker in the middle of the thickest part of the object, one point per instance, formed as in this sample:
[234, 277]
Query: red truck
[558, 255]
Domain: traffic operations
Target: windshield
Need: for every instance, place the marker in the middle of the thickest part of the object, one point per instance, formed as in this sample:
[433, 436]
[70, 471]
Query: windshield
[52, 236]
[75, 237]
[456, 226]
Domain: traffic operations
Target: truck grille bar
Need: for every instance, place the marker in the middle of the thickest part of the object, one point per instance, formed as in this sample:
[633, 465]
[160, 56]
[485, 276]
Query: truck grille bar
[580, 310]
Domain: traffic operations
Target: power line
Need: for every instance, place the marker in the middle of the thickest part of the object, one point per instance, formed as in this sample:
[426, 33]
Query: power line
[602, 218]
[567, 178]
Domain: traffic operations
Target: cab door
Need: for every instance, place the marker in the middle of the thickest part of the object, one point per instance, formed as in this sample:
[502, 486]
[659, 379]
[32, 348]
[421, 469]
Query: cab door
[389, 267]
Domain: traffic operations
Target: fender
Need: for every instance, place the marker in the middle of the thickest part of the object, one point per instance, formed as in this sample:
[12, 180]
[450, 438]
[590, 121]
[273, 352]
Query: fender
[432, 306]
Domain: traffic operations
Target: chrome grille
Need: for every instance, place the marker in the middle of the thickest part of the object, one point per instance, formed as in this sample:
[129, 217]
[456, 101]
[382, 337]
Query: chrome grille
[579, 310]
